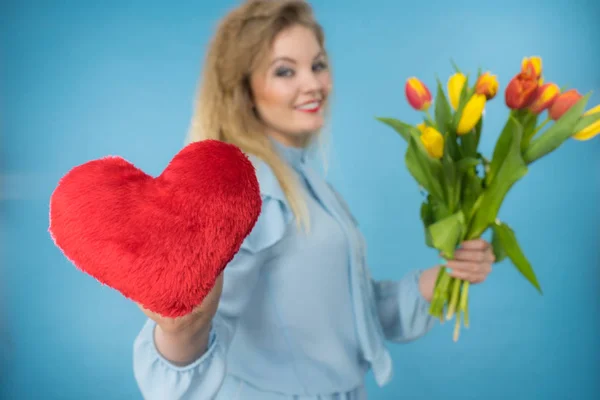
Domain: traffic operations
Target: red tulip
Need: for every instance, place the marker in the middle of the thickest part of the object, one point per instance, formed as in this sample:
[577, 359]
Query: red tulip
[544, 97]
[418, 94]
[520, 91]
[563, 103]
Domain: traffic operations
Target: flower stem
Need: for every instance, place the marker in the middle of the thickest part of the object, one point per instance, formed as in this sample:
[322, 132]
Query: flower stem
[431, 120]
[440, 294]
[454, 299]
[540, 126]
[457, 328]
[443, 294]
[464, 302]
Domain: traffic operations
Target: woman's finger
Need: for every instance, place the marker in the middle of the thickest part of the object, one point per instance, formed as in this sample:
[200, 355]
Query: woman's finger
[467, 276]
[470, 255]
[475, 244]
[466, 266]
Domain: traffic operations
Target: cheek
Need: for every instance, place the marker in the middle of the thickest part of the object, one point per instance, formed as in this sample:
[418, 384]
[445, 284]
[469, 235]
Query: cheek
[326, 82]
[275, 97]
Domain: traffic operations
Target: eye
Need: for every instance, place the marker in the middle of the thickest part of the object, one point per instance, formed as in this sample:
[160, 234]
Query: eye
[320, 66]
[284, 72]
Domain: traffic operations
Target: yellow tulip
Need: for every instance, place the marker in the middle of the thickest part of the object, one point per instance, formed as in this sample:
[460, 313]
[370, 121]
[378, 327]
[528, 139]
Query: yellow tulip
[471, 114]
[592, 129]
[432, 140]
[455, 86]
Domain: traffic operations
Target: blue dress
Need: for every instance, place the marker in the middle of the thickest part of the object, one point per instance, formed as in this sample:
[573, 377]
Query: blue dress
[299, 317]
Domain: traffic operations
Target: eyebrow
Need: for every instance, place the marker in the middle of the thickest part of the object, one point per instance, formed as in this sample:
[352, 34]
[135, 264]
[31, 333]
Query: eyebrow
[319, 54]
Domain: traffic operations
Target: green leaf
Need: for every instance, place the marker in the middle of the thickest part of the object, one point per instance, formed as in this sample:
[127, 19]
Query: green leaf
[467, 163]
[502, 147]
[440, 210]
[469, 184]
[451, 145]
[456, 69]
[451, 184]
[485, 162]
[472, 188]
[443, 112]
[426, 170]
[469, 144]
[506, 237]
[447, 233]
[478, 128]
[510, 170]
[427, 217]
[405, 130]
[558, 133]
[586, 121]
[499, 251]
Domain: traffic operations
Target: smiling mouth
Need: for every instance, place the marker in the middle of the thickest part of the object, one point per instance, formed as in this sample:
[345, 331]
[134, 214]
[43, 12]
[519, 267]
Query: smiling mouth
[312, 107]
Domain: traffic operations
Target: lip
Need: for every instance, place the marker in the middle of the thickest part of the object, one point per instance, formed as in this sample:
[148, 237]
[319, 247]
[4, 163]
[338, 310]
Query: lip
[310, 110]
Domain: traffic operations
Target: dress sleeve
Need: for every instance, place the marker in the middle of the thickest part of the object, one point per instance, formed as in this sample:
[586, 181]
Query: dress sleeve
[403, 311]
[158, 378]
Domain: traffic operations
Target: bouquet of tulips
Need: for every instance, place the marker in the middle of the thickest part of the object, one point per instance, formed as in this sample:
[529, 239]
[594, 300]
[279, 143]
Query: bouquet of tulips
[464, 190]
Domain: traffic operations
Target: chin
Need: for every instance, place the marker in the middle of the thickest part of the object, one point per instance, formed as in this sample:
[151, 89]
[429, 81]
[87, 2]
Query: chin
[307, 131]
[312, 124]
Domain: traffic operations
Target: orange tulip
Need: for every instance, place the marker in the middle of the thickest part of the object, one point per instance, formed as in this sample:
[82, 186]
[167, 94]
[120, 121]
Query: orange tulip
[418, 94]
[487, 84]
[520, 91]
[544, 97]
[563, 102]
[532, 67]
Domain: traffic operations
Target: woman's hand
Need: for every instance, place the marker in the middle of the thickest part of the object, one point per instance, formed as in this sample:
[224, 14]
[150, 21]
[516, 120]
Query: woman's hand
[183, 339]
[472, 262]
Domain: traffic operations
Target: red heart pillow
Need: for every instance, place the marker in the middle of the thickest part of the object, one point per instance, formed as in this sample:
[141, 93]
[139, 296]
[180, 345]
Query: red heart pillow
[163, 241]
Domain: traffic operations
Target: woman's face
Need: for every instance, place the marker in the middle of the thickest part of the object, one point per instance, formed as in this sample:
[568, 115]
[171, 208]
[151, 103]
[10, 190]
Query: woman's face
[290, 91]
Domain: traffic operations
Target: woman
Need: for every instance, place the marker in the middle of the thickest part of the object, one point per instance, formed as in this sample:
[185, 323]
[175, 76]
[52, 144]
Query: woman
[295, 315]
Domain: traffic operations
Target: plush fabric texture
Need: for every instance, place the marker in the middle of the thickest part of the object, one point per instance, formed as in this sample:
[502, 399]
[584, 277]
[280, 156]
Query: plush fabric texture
[163, 241]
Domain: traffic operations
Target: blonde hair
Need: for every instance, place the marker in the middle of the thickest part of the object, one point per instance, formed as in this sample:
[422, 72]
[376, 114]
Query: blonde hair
[224, 107]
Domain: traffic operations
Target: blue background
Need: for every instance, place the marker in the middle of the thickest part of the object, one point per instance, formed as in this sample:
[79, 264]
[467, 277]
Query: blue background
[81, 80]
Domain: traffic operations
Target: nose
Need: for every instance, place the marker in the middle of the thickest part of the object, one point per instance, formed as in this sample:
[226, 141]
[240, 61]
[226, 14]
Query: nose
[311, 82]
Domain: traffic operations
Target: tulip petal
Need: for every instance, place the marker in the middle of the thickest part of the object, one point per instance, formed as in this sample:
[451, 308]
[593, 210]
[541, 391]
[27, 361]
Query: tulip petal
[455, 86]
[532, 67]
[563, 102]
[520, 91]
[487, 84]
[588, 133]
[471, 113]
[432, 140]
[417, 94]
[544, 97]
[592, 129]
